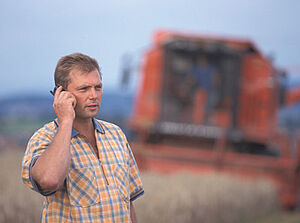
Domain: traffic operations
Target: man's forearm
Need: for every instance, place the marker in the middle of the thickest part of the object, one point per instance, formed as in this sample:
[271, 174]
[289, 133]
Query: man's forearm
[132, 213]
[52, 166]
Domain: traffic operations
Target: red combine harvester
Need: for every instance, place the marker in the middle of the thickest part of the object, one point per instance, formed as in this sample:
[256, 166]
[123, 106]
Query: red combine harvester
[210, 104]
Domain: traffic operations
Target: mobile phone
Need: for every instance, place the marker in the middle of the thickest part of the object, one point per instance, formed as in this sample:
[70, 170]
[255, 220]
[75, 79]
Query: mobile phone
[54, 90]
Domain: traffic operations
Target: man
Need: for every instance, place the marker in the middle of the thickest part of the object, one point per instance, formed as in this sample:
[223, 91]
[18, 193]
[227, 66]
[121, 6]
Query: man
[207, 81]
[82, 166]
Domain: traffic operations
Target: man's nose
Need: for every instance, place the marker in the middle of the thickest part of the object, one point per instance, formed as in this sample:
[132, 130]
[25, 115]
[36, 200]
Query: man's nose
[93, 93]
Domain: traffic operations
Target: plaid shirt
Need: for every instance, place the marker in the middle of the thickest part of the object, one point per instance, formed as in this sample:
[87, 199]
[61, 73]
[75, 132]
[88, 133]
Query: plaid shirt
[95, 190]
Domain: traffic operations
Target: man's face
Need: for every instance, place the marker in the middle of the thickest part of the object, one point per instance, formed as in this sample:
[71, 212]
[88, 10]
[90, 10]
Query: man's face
[87, 89]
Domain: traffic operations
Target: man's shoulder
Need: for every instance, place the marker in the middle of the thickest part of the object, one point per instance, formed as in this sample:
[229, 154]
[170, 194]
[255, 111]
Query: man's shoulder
[50, 125]
[48, 129]
[111, 131]
[107, 125]
[43, 135]
[110, 128]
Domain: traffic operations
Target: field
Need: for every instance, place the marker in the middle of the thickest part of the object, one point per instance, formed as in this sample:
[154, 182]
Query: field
[173, 198]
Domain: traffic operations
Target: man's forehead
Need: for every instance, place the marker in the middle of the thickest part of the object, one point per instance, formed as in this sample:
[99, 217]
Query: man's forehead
[78, 73]
[80, 78]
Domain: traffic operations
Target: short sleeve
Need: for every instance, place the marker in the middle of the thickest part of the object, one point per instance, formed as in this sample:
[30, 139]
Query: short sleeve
[135, 182]
[37, 144]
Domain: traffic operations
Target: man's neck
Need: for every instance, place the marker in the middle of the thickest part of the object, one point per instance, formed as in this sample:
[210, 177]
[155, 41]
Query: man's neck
[83, 125]
[86, 128]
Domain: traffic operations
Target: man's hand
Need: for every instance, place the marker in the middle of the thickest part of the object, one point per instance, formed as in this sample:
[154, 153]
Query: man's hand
[132, 213]
[52, 167]
[64, 104]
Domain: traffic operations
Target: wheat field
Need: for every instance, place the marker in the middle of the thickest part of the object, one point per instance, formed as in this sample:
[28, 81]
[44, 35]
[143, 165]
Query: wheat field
[17, 203]
[212, 198]
[183, 198]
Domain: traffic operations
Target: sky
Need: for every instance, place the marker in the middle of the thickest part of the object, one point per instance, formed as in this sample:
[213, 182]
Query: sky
[34, 34]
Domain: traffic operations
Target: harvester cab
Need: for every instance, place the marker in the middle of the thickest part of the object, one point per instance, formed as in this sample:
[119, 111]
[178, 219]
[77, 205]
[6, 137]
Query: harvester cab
[197, 89]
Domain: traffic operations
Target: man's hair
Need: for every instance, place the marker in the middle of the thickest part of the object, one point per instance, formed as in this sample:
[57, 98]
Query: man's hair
[69, 63]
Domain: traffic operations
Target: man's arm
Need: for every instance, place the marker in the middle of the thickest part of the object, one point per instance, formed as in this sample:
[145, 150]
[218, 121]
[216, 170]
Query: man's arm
[51, 168]
[132, 213]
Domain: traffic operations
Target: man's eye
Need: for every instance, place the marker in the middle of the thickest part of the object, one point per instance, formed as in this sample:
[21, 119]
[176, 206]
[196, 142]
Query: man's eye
[98, 88]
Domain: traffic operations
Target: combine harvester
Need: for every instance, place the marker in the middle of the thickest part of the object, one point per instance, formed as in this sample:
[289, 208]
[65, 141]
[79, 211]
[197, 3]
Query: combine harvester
[208, 104]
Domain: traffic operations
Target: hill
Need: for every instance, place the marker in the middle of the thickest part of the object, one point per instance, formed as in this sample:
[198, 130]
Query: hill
[114, 104]
[21, 115]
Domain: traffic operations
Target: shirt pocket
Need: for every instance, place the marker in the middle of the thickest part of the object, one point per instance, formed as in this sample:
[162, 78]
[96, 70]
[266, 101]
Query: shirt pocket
[82, 187]
[121, 176]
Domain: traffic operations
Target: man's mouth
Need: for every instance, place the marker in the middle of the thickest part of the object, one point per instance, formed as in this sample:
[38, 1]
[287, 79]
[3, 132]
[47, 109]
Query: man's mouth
[92, 106]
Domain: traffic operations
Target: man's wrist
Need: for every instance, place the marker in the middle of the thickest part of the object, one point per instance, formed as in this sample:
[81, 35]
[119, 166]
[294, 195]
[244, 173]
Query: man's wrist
[66, 122]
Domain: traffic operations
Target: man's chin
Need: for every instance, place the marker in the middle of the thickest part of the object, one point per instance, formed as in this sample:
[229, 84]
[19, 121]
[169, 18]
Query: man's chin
[87, 115]
[92, 114]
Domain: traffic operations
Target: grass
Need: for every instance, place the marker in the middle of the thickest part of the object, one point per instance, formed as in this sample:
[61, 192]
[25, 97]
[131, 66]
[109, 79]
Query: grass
[168, 198]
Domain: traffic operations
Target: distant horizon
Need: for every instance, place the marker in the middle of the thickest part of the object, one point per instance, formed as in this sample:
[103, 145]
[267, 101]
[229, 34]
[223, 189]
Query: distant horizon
[293, 82]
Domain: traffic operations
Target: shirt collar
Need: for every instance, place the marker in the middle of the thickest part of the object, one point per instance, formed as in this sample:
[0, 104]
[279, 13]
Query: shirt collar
[96, 124]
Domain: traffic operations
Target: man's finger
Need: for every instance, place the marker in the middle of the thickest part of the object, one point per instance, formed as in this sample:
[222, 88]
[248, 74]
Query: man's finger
[57, 92]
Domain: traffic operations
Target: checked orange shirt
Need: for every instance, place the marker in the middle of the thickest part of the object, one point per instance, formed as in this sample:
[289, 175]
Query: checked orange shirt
[95, 190]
